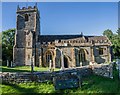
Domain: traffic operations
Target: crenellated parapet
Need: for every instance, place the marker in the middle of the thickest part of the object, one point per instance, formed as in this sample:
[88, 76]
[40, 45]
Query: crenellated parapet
[26, 9]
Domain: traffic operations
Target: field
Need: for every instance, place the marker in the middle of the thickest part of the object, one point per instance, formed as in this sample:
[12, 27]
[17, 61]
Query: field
[93, 84]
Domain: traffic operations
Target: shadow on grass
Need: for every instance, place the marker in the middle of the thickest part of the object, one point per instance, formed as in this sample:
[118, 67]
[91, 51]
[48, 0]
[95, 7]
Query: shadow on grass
[21, 90]
[101, 84]
[92, 84]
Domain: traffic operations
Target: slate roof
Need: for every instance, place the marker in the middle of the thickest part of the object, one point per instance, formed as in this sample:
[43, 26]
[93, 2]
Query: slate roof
[51, 38]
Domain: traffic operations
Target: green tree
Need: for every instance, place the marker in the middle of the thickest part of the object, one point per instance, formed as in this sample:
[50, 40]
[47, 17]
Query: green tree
[7, 44]
[108, 33]
[115, 39]
[116, 45]
[118, 31]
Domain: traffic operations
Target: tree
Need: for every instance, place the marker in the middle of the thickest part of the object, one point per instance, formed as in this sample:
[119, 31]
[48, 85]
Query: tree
[115, 39]
[7, 44]
[108, 33]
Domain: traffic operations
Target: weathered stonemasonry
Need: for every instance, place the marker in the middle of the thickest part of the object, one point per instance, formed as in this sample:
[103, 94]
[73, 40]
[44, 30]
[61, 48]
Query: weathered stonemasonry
[64, 51]
[104, 70]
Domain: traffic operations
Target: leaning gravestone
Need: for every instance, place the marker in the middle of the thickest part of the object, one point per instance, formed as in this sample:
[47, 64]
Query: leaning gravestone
[67, 81]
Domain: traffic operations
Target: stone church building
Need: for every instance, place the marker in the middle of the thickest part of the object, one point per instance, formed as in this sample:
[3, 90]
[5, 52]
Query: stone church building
[63, 50]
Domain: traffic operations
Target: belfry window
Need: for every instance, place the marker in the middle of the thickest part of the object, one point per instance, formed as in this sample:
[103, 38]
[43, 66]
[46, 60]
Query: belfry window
[26, 17]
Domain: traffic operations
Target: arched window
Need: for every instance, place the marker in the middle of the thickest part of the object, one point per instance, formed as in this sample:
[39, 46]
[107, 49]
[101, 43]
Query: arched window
[81, 56]
[48, 58]
[26, 17]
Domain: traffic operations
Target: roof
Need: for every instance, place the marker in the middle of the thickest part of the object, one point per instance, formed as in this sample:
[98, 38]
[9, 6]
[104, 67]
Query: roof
[51, 38]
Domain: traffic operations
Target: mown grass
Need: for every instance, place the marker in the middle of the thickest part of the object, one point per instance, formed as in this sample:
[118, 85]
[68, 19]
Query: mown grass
[91, 85]
[24, 69]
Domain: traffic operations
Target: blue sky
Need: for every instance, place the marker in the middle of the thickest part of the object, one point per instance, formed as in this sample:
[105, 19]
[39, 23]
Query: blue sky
[68, 18]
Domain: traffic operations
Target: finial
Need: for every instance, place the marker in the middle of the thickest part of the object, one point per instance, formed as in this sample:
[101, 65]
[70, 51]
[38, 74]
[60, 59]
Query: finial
[81, 33]
[18, 7]
[35, 5]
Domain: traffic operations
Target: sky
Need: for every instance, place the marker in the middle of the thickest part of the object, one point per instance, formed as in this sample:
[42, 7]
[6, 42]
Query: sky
[59, 18]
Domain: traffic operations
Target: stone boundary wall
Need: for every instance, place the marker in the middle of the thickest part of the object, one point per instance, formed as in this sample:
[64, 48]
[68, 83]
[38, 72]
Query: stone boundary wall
[104, 70]
[99, 69]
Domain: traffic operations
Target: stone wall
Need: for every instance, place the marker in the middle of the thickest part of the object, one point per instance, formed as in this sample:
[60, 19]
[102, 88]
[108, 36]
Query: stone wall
[103, 70]
[43, 76]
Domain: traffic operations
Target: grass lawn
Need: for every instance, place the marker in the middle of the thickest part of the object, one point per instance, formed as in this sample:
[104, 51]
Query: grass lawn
[24, 69]
[92, 84]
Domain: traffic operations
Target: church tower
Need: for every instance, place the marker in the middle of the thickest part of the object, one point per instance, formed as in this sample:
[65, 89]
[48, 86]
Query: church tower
[26, 36]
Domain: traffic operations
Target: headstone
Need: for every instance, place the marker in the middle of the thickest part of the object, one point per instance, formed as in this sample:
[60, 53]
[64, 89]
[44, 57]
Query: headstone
[66, 81]
[32, 67]
[80, 64]
[11, 64]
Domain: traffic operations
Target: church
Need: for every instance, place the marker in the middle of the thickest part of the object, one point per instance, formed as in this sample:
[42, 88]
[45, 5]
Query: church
[64, 51]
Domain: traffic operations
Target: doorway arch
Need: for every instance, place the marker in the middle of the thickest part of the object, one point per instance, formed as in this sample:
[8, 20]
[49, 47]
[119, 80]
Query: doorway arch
[65, 62]
[48, 57]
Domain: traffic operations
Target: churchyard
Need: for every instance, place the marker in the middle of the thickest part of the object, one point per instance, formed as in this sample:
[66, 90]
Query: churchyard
[90, 82]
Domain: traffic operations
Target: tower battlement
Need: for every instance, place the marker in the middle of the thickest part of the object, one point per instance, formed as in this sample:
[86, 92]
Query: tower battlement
[29, 8]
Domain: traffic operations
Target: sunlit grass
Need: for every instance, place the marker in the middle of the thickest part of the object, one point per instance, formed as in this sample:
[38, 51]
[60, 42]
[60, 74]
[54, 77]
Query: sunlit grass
[24, 69]
[92, 84]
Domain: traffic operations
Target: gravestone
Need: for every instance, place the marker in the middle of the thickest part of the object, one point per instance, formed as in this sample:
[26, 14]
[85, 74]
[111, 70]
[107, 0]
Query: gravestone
[80, 63]
[11, 64]
[32, 66]
[51, 66]
[67, 81]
